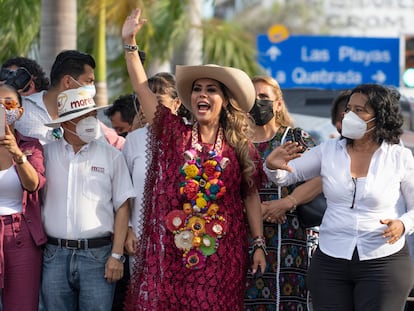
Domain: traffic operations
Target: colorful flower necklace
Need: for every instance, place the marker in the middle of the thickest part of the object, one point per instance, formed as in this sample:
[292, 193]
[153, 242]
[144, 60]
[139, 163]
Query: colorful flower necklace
[199, 225]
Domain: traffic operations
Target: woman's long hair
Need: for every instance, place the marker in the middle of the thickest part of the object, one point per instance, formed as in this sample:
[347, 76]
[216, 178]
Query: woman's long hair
[238, 132]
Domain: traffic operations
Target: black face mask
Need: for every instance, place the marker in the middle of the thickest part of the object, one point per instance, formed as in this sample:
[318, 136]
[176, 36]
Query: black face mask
[123, 134]
[262, 111]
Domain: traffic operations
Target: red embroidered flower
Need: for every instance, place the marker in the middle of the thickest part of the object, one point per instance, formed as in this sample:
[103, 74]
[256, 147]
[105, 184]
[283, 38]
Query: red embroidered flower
[191, 189]
[209, 169]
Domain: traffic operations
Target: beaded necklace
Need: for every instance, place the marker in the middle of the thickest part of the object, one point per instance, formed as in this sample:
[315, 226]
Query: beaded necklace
[200, 223]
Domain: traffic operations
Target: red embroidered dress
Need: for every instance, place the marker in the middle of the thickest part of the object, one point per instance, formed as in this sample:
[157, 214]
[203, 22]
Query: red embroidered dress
[161, 280]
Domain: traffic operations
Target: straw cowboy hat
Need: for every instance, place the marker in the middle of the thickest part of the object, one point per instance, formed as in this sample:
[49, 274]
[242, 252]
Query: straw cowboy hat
[237, 82]
[74, 103]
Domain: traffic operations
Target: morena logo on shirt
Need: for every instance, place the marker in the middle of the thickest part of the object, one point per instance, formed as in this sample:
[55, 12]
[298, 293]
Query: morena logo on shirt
[98, 169]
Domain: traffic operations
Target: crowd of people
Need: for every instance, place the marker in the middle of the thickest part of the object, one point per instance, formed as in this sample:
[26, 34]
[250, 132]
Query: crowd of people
[188, 200]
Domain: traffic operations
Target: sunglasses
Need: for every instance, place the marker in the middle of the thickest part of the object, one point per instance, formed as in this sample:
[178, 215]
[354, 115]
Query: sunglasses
[9, 103]
[19, 78]
[5, 73]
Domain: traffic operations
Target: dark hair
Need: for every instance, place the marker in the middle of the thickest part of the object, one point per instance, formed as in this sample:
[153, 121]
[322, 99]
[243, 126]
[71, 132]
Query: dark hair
[339, 105]
[39, 76]
[388, 117]
[164, 83]
[70, 62]
[13, 89]
[125, 105]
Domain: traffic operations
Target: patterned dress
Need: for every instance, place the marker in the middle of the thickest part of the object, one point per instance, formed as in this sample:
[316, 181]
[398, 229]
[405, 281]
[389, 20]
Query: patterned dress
[283, 285]
[162, 279]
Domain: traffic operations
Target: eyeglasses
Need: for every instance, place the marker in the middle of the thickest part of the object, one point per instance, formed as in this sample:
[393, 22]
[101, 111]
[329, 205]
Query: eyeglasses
[9, 103]
[354, 180]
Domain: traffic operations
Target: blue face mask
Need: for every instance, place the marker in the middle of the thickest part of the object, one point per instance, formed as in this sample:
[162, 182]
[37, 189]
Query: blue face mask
[90, 88]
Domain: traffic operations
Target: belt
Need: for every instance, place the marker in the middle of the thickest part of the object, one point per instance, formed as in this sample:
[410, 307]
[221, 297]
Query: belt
[80, 244]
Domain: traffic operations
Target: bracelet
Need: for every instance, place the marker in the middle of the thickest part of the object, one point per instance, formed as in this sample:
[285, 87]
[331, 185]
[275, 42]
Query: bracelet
[256, 247]
[130, 48]
[294, 202]
[20, 159]
[258, 242]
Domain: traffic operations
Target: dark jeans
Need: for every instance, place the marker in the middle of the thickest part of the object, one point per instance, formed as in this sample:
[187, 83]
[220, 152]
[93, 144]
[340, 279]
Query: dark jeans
[381, 284]
[74, 279]
[121, 288]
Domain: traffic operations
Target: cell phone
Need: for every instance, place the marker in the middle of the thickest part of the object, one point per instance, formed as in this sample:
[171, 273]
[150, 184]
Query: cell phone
[2, 121]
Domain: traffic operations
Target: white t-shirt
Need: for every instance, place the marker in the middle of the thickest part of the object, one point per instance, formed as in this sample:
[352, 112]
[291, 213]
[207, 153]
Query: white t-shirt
[83, 190]
[387, 192]
[135, 152]
[11, 192]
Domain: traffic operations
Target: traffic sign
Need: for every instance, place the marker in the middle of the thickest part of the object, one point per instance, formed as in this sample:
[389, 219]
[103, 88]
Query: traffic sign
[330, 62]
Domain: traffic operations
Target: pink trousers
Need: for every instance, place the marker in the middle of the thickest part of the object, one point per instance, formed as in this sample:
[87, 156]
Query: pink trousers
[20, 265]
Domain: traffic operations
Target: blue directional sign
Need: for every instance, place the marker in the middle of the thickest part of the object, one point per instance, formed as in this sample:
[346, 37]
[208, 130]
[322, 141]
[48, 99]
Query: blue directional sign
[330, 62]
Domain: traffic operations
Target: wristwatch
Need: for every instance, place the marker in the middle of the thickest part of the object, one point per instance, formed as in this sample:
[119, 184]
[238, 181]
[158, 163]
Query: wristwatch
[20, 159]
[131, 48]
[119, 257]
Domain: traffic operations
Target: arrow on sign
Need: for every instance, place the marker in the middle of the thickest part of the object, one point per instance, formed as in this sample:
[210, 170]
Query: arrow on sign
[273, 52]
[379, 77]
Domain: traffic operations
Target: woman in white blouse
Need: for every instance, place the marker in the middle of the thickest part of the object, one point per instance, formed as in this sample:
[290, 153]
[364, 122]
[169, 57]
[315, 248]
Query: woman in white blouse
[363, 261]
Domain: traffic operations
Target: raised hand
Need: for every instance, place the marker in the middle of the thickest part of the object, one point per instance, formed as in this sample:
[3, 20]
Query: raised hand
[132, 25]
[280, 156]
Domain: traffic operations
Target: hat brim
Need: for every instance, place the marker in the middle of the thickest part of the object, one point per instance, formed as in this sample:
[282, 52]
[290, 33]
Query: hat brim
[236, 81]
[73, 115]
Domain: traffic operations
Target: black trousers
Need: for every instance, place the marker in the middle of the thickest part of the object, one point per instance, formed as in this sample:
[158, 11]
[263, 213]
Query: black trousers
[381, 284]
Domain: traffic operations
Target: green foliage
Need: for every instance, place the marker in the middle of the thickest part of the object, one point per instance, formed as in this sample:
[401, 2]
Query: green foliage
[20, 28]
[224, 43]
[228, 44]
[170, 24]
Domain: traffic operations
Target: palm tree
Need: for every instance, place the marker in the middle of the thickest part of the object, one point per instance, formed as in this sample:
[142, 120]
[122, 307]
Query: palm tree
[20, 23]
[58, 29]
[100, 57]
[175, 26]
[192, 48]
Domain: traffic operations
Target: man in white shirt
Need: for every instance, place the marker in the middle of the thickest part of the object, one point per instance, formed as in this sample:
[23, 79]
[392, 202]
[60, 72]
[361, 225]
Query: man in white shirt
[71, 69]
[85, 210]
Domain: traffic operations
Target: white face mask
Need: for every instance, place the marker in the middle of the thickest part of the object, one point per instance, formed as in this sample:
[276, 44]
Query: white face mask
[87, 129]
[11, 115]
[354, 127]
[90, 88]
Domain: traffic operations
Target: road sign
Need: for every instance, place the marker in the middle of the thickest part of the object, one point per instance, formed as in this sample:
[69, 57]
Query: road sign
[330, 62]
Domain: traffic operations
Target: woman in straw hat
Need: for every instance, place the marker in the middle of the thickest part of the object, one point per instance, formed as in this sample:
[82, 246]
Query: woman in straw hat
[193, 250]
